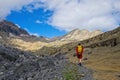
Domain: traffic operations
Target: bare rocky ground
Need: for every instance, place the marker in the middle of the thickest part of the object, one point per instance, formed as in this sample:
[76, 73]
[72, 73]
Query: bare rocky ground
[20, 65]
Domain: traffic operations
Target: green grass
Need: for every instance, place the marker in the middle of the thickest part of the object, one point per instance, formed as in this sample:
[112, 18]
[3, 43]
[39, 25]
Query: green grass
[70, 72]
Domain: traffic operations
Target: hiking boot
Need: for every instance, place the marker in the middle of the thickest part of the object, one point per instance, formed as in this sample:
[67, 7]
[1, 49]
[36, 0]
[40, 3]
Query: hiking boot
[80, 64]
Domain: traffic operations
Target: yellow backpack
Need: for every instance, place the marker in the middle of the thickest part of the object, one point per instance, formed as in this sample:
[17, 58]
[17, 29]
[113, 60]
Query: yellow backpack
[79, 48]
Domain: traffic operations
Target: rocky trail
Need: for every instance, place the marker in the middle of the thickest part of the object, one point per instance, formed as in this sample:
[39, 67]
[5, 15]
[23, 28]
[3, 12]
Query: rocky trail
[85, 73]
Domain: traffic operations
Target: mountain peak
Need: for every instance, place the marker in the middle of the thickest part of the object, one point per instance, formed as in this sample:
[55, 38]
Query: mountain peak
[79, 35]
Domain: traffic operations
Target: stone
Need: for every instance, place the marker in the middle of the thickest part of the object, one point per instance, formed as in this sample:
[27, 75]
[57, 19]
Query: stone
[1, 73]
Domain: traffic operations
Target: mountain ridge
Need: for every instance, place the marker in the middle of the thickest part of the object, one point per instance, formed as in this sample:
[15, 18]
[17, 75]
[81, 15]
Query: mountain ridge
[31, 42]
[9, 27]
[79, 35]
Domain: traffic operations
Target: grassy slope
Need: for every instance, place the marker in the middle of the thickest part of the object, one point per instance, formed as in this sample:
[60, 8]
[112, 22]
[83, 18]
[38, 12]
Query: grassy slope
[104, 61]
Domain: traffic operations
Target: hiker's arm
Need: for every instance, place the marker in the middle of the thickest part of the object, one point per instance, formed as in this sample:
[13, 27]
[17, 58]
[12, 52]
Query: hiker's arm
[75, 54]
[82, 49]
[76, 49]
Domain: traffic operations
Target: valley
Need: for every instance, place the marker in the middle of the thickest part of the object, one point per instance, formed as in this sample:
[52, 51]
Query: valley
[27, 57]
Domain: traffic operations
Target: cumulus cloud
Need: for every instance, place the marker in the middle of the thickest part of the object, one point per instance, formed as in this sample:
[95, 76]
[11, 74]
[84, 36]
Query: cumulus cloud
[84, 14]
[70, 14]
[6, 6]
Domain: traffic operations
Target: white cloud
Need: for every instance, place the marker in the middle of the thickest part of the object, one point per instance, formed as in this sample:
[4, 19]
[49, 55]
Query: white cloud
[6, 6]
[71, 14]
[84, 14]
[38, 21]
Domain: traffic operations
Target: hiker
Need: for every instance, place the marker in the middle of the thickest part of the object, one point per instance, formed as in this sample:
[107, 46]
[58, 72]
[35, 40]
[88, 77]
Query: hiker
[79, 52]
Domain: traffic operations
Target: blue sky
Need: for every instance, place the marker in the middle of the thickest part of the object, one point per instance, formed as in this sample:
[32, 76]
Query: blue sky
[35, 22]
[52, 18]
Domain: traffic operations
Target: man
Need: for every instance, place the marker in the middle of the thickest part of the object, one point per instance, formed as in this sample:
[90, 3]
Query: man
[79, 52]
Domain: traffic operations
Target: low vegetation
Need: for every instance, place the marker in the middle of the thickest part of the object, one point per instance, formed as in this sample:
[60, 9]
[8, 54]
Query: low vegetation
[70, 72]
